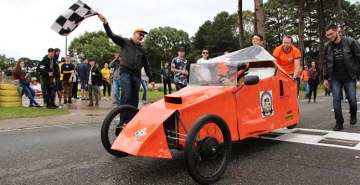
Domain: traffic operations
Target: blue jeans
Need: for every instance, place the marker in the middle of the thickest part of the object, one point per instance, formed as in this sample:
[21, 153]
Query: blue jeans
[30, 93]
[130, 86]
[307, 88]
[336, 89]
[145, 87]
[116, 86]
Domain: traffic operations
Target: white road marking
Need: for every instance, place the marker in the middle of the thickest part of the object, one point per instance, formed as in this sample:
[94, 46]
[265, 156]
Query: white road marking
[345, 110]
[312, 100]
[288, 135]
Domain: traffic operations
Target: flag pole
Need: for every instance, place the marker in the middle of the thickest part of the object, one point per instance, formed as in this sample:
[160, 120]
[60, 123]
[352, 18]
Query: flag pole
[65, 45]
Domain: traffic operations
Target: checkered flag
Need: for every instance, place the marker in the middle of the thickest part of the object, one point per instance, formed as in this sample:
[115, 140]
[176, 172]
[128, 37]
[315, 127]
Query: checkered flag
[71, 18]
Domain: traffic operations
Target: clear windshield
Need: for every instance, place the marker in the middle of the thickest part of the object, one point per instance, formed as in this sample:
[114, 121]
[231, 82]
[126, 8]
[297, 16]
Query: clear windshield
[212, 72]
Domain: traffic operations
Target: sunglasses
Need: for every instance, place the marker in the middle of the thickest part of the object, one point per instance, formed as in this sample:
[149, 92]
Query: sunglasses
[205, 53]
[142, 35]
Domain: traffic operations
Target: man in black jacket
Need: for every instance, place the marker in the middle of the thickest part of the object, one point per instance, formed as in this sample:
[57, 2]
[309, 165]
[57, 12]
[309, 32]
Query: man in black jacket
[341, 61]
[166, 76]
[93, 79]
[134, 57]
[49, 71]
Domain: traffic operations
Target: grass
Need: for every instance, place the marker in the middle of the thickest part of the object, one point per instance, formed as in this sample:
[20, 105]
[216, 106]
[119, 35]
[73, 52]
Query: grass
[152, 95]
[26, 112]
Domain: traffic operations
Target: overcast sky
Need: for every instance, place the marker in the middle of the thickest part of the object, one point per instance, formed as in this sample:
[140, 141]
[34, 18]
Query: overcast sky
[25, 24]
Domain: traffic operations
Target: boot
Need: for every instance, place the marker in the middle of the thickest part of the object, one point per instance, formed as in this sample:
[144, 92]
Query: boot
[338, 127]
[353, 119]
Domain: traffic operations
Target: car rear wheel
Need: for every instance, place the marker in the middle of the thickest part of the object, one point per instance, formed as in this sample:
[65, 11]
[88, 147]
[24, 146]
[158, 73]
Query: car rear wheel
[207, 149]
[113, 124]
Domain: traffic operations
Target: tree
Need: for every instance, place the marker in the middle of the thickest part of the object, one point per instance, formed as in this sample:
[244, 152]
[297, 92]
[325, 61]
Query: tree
[321, 31]
[249, 27]
[94, 45]
[29, 63]
[198, 40]
[301, 28]
[218, 35]
[340, 16]
[351, 19]
[6, 62]
[260, 19]
[281, 20]
[162, 44]
[241, 27]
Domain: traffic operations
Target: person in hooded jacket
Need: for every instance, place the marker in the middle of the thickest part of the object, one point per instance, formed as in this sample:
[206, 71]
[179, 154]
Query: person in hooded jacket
[49, 72]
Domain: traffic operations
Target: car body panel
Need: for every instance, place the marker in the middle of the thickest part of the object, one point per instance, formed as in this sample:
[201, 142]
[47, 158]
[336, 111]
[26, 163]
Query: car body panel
[248, 110]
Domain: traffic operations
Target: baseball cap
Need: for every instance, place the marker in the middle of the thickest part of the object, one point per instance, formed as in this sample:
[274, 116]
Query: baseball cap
[181, 49]
[140, 30]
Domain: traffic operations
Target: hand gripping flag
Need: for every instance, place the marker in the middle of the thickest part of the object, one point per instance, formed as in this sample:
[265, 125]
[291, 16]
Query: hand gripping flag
[71, 18]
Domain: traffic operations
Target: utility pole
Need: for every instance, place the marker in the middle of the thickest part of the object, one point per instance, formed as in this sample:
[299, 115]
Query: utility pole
[65, 45]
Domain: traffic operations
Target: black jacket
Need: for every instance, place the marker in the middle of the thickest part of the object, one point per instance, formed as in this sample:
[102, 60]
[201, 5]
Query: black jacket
[351, 52]
[44, 68]
[95, 79]
[134, 56]
[166, 74]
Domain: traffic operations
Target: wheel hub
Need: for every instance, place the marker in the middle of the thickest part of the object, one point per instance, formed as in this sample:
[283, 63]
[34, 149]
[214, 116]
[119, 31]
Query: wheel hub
[209, 148]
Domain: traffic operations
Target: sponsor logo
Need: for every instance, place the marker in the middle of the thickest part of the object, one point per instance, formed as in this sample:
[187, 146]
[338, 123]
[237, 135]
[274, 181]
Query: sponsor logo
[267, 108]
[141, 133]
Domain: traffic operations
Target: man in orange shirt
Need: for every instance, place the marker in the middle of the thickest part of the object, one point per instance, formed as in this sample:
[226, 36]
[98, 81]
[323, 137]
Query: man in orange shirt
[288, 57]
[305, 78]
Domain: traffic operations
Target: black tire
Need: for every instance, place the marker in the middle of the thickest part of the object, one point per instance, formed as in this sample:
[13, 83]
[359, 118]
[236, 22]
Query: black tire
[207, 155]
[113, 125]
[292, 126]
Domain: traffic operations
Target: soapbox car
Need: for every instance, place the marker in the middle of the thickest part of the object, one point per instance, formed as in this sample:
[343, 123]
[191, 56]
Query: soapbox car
[204, 118]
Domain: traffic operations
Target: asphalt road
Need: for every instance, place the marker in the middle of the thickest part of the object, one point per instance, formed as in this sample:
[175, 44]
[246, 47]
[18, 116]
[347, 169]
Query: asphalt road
[73, 154]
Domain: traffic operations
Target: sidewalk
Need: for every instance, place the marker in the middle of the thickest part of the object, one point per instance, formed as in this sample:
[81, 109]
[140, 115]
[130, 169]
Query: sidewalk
[79, 113]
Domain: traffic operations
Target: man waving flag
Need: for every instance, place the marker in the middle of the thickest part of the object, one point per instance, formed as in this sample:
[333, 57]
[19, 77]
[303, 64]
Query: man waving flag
[72, 17]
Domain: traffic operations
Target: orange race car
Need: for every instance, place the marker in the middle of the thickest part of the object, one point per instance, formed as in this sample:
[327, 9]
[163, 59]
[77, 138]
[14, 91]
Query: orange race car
[229, 98]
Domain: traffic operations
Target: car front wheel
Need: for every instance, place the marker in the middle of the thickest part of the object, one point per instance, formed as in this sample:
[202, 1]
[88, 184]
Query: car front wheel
[207, 149]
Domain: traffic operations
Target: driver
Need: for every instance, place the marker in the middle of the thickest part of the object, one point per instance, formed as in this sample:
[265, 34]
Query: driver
[243, 70]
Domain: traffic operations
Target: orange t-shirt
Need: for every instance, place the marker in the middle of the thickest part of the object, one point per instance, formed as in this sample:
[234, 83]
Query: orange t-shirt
[305, 76]
[283, 58]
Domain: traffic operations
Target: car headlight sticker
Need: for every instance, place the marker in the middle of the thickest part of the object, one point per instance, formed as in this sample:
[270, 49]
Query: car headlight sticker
[141, 133]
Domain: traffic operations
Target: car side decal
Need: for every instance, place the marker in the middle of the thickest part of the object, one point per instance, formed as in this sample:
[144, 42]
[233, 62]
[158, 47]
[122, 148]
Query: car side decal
[267, 108]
